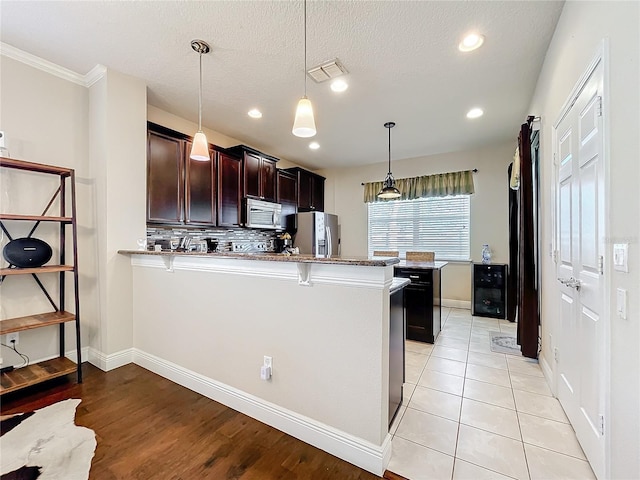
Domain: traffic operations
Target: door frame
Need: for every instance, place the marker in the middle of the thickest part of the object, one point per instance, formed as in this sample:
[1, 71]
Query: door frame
[601, 57]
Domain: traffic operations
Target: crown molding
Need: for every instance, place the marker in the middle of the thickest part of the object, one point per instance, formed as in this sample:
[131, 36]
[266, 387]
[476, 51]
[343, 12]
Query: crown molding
[34, 61]
[95, 74]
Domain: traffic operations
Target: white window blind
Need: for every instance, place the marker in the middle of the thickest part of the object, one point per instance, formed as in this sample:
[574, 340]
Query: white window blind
[439, 225]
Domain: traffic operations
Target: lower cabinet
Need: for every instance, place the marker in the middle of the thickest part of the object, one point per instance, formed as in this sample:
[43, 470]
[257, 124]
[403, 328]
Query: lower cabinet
[422, 303]
[396, 351]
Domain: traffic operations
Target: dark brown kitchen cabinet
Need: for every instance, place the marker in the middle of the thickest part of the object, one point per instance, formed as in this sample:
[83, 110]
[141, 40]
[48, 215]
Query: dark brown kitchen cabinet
[287, 194]
[229, 190]
[165, 184]
[310, 190]
[200, 189]
[259, 173]
[422, 303]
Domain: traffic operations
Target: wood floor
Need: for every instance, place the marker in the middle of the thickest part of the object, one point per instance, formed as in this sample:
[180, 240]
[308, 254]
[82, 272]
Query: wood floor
[150, 428]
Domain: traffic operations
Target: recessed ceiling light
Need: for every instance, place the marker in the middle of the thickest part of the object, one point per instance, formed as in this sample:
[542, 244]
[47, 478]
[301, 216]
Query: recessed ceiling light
[475, 113]
[471, 42]
[314, 145]
[339, 85]
[254, 113]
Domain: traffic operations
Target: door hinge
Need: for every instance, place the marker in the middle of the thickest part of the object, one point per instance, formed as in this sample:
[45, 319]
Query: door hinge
[599, 107]
[601, 265]
[554, 256]
[602, 425]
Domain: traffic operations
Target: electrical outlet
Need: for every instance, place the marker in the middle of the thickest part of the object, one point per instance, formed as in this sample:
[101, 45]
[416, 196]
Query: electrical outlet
[268, 361]
[12, 339]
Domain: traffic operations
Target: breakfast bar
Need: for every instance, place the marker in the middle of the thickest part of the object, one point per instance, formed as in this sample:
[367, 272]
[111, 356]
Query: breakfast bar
[207, 320]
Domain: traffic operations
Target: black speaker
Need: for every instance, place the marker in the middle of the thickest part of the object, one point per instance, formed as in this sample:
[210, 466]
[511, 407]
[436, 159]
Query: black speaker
[27, 252]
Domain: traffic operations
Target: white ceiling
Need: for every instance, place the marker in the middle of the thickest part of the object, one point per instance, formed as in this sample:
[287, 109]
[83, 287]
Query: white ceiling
[402, 58]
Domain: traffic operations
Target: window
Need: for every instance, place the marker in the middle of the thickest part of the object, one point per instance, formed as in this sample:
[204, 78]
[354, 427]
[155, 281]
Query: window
[438, 224]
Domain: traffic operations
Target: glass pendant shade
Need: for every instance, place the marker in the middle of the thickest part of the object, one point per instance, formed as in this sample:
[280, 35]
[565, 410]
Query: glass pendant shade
[304, 125]
[200, 148]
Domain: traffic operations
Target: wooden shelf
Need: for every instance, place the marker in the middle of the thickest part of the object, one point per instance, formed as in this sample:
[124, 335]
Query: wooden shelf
[35, 373]
[29, 322]
[45, 269]
[34, 218]
[34, 167]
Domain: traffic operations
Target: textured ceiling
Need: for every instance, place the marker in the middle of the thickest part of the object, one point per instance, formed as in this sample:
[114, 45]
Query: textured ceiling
[402, 57]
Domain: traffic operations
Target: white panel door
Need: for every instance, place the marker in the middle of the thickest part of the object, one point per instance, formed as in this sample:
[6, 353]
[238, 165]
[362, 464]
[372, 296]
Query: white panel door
[580, 212]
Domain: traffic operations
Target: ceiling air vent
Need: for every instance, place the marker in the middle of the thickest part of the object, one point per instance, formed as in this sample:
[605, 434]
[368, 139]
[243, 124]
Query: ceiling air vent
[327, 71]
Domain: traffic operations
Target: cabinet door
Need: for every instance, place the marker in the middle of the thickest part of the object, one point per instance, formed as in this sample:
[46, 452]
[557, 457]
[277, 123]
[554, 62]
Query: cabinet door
[317, 193]
[165, 194]
[200, 189]
[229, 193]
[287, 194]
[252, 175]
[268, 172]
[305, 189]
[419, 312]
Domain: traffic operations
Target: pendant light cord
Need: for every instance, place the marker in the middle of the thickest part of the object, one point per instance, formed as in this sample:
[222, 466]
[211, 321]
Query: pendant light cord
[200, 98]
[305, 48]
[389, 128]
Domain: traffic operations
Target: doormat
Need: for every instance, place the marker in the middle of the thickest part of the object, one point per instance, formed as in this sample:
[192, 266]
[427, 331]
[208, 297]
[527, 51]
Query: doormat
[503, 343]
[46, 444]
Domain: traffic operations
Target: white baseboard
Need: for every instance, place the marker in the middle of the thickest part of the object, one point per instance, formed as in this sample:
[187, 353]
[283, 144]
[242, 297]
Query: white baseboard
[373, 458]
[446, 302]
[111, 361]
[547, 371]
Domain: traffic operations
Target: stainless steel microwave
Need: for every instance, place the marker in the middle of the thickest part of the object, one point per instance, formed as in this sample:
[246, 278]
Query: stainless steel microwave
[261, 214]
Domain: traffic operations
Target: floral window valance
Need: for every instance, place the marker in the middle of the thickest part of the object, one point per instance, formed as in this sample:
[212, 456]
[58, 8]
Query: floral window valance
[439, 185]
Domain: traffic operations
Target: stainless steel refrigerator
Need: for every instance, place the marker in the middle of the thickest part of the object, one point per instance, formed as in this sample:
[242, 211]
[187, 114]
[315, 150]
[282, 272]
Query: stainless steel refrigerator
[316, 233]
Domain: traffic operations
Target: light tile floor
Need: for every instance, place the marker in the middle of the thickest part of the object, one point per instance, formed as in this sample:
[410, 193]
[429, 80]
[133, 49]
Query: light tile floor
[471, 414]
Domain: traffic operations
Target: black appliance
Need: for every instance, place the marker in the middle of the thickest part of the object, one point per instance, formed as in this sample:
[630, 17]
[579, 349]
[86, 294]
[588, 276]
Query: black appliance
[489, 292]
[27, 252]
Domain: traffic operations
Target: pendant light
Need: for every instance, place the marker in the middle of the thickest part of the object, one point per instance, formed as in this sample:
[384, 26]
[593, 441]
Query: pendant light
[389, 189]
[304, 125]
[200, 146]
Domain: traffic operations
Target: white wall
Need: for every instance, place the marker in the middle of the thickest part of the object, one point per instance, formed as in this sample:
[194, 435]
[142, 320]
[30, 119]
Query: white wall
[579, 33]
[45, 120]
[489, 205]
[118, 107]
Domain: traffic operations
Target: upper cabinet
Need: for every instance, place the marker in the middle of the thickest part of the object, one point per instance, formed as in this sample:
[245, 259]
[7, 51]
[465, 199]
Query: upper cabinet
[287, 194]
[200, 188]
[310, 190]
[259, 173]
[229, 190]
[165, 178]
[181, 191]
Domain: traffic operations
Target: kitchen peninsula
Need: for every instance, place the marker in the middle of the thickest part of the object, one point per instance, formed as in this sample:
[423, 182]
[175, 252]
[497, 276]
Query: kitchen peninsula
[206, 321]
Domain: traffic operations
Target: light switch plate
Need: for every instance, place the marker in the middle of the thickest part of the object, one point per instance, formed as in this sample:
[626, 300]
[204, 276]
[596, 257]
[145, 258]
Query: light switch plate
[621, 303]
[620, 257]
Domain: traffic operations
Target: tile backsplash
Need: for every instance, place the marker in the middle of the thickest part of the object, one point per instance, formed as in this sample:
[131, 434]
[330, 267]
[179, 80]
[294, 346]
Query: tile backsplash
[223, 236]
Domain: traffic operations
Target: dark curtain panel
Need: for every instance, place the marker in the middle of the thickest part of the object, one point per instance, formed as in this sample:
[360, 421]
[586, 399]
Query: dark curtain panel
[528, 314]
[512, 274]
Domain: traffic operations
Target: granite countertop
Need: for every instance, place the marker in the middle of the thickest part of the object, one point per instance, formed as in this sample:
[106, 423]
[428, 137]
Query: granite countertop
[422, 265]
[398, 283]
[276, 257]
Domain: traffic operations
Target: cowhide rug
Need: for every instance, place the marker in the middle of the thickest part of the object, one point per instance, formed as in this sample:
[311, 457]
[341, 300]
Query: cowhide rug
[46, 445]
